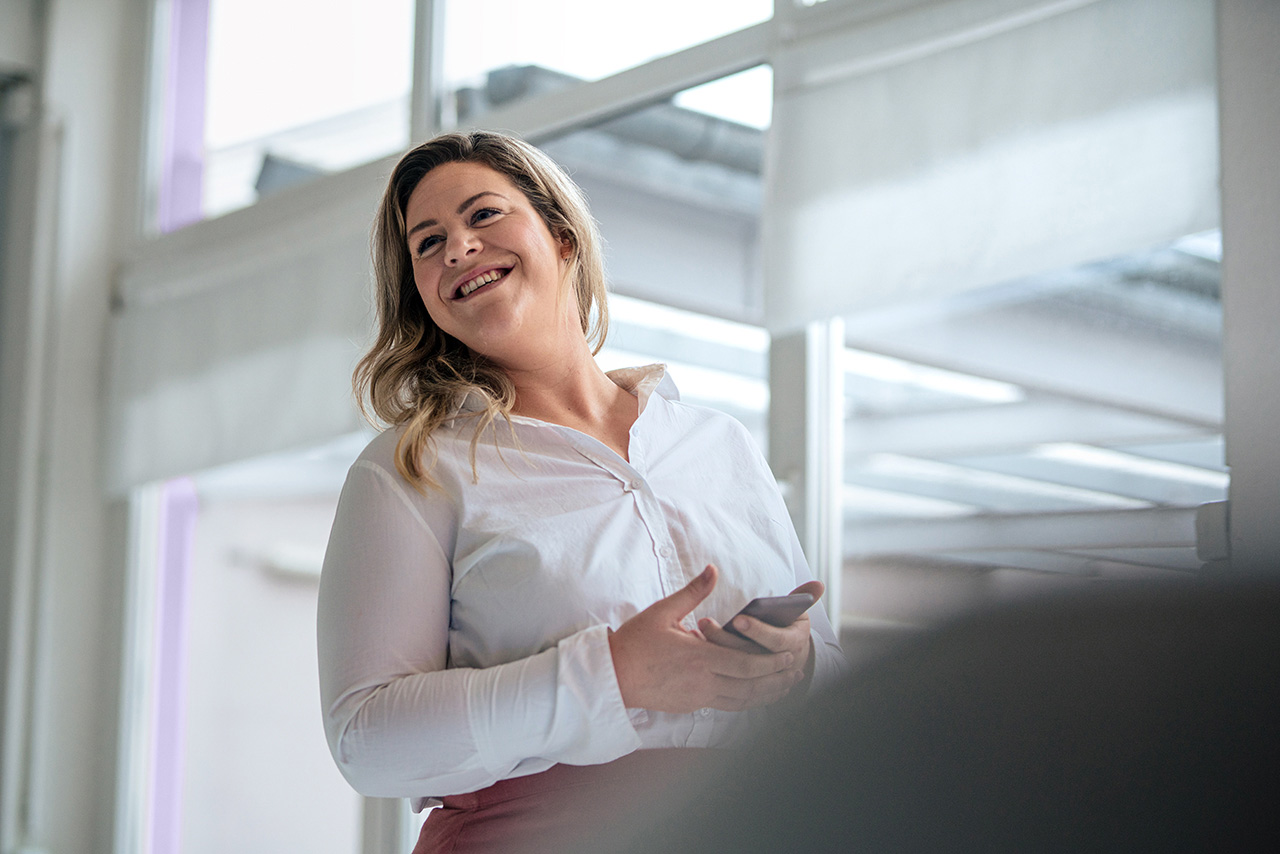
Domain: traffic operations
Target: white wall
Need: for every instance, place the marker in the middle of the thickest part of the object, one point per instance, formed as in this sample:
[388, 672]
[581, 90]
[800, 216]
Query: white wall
[64, 737]
[258, 775]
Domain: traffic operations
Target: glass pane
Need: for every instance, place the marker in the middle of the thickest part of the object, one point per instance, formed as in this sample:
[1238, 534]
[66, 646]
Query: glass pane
[676, 188]
[253, 746]
[718, 363]
[1024, 409]
[582, 39]
[745, 98]
[296, 88]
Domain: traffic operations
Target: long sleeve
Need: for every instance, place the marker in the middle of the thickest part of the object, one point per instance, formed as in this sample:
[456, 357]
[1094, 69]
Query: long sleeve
[399, 724]
[829, 663]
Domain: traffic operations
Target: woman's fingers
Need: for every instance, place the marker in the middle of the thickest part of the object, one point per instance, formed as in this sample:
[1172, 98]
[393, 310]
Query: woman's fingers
[744, 665]
[815, 588]
[738, 694]
[661, 665]
[771, 637]
[712, 631]
[684, 600]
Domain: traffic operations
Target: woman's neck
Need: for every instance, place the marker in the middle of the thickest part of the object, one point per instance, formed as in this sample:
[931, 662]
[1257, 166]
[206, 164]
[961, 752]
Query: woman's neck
[574, 392]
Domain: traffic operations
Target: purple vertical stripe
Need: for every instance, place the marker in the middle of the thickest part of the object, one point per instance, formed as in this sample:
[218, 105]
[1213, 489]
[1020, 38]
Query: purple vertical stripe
[177, 524]
[182, 151]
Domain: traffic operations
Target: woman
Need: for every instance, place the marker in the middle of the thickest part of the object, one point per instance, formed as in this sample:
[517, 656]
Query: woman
[520, 576]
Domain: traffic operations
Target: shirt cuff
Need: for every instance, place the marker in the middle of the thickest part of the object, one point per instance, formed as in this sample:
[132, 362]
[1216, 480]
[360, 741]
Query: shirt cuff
[588, 682]
[829, 664]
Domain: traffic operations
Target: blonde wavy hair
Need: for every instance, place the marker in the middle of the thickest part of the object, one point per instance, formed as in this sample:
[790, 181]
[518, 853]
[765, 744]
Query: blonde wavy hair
[415, 376]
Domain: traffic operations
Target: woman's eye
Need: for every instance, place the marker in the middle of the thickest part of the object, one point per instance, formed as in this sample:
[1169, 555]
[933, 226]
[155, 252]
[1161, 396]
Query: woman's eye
[427, 244]
[483, 213]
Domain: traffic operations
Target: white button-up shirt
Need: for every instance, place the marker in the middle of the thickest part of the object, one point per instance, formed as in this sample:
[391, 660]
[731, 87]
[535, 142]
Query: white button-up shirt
[464, 632]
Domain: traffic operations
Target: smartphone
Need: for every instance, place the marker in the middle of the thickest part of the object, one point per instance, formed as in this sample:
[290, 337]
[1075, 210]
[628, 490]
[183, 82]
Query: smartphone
[780, 611]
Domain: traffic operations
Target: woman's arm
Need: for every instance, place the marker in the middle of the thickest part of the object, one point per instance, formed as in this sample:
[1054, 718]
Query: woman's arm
[398, 723]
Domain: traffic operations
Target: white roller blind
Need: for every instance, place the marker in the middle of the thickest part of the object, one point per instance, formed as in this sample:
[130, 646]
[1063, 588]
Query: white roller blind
[960, 144]
[228, 346]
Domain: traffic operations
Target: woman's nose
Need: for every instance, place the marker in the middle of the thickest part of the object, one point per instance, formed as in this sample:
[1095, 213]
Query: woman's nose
[460, 246]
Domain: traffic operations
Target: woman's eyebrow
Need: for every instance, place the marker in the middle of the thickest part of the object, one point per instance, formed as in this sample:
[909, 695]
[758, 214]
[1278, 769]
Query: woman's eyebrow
[427, 223]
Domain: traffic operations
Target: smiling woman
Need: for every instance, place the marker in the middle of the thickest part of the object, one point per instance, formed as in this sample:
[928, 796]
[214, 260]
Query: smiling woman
[488, 269]
[520, 598]
[417, 370]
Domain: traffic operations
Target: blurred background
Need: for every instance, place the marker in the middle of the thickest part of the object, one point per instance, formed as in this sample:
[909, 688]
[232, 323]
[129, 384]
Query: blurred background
[958, 265]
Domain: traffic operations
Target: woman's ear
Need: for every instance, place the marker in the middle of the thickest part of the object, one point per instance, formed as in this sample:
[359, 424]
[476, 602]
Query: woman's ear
[566, 247]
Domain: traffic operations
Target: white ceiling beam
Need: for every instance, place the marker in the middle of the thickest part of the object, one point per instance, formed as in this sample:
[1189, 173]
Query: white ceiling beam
[1154, 527]
[1008, 427]
[1109, 564]
[1188, 488]
[1065, 350]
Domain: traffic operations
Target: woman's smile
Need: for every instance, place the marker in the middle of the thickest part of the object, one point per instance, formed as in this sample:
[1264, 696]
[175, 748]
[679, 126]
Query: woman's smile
[479, 281]
[487, 267]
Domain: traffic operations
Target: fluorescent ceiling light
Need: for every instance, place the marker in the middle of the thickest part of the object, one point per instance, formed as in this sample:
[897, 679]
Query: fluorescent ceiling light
[696, 382]
[870, 501]
[688, 323]
[889, 369]
[1206, 244]
[1119, 461]
[933, 471]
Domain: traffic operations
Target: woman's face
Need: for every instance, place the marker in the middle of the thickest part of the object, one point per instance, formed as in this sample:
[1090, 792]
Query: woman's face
[487, 267]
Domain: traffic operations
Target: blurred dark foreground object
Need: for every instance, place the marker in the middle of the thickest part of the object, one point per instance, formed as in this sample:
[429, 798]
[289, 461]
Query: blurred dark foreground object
[1128, 719]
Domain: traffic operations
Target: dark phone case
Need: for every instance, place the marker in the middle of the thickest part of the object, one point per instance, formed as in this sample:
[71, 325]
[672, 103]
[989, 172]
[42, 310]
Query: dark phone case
[779, 611]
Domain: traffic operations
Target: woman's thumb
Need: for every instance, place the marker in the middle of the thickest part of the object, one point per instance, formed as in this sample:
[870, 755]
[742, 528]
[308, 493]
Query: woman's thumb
[687, 598]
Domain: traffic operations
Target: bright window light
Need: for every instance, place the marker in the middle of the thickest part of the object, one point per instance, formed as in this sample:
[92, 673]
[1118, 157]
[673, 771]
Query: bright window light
[585, 38]
[869, 501]
[277, 64]
[746, 97]
[1119, 461]
[889, 369]
[933, 471]
[1206, 244]
[688, 323]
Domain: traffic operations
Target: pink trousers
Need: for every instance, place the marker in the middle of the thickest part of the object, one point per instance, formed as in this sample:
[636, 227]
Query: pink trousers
[558, 809]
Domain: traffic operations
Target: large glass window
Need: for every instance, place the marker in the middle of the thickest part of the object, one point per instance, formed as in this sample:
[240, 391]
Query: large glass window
[1059, 427]
[290, 90]
[581, 39]
[677, 188]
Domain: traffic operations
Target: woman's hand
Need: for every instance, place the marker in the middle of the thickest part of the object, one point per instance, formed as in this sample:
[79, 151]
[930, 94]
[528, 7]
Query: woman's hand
[793, 639]
[663, 666]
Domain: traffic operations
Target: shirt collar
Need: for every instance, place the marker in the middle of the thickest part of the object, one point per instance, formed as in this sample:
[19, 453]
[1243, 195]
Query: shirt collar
[641, 381]
[644, 381]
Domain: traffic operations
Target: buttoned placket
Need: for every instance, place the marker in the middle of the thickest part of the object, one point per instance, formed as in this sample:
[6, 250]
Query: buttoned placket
[631, 478]
[671, 575]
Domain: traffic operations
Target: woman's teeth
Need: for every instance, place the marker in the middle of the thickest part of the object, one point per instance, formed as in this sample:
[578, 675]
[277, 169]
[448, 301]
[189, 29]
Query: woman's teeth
[480, 281]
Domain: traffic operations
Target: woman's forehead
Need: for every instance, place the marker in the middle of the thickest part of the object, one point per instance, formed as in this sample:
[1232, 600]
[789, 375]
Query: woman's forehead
[451, 184]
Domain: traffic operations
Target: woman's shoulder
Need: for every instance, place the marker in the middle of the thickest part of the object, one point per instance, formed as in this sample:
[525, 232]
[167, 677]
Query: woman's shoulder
[374, 478]
[379, 458]
[382, 449]
[380, 453]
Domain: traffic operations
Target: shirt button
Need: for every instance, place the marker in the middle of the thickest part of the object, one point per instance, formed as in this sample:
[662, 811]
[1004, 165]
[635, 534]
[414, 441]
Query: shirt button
[704, 713]
[635, 484]
[665, 552]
